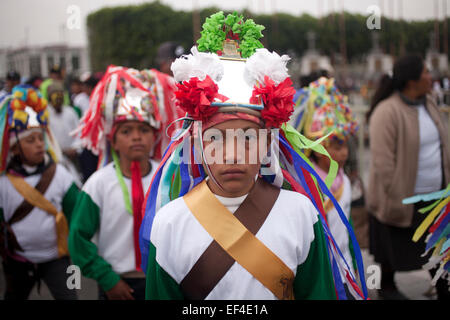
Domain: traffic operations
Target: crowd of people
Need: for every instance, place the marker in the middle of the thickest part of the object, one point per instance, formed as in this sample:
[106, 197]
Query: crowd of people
[132, 176]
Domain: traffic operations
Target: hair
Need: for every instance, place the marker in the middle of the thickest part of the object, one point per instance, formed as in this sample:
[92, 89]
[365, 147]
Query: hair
[406, 68]
[91, 82]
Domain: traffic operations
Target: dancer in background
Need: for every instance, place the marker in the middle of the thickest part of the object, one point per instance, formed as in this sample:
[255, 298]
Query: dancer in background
[37, 197]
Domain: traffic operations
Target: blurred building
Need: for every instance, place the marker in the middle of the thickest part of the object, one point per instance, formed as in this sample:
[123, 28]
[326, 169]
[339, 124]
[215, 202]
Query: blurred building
[312, 60]
[38, 60]
[378, 62]
[437, 62]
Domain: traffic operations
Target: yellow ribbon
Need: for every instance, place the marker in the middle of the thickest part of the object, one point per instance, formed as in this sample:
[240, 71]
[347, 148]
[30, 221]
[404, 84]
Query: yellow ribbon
[328, 205]
[239, 242]
[429, 219]
[36, 199]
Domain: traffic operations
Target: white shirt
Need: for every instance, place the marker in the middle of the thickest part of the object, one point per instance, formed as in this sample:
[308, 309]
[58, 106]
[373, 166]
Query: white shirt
[36, 232]
[81, 100]
[232, 204]
[287, 231]
[114, 238]
[429, 169]
[62, 124]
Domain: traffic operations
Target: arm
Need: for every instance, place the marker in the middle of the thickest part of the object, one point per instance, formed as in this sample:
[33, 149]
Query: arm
[314, 279]
[383, 134]
[70, 200]
[159, 284]
[85, 223]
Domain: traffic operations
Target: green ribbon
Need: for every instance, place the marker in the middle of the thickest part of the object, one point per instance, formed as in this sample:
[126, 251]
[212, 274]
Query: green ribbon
[299, 142]
[434, 204]
[123, 186]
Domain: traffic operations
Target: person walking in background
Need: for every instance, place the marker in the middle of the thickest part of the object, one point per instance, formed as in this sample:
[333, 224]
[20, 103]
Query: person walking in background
[64, 120]
[37, 197]
[12, 80]
[78, 97]
[166, 54]
[410, 155]
[56, 73]
[87, 160]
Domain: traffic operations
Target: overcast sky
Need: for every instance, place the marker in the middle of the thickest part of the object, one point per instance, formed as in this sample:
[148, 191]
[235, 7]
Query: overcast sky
[42, 22]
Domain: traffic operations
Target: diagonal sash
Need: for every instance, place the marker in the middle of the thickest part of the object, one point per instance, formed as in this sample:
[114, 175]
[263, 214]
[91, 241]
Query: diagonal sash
[36, 199]
[234, 240]
[8, 240]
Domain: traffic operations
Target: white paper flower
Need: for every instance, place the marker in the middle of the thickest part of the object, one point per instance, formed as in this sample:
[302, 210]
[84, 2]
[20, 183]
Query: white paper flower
[197, 64]
[264, 63]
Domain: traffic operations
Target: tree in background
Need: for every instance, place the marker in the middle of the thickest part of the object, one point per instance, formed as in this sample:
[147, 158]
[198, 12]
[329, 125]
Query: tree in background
[130, 35]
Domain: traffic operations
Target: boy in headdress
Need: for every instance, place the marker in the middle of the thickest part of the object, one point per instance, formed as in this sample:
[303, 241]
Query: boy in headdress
[219, 221]
[37, 196]
[122, 125]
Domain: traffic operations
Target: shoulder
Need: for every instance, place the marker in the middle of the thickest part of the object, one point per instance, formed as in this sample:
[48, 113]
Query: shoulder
[173, 215]
[297, 206]
[62, 173]
[388, 106]
[96, 185]
[70, 112]
[99, 177]
[155, 165]
[4, 182]
[172, 211]
[346, 180]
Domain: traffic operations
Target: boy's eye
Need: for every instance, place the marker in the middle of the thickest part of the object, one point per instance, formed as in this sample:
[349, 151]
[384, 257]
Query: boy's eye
[145, 129]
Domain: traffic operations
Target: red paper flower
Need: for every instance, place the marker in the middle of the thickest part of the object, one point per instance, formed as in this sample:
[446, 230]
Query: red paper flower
[195, 97]
[278, 101]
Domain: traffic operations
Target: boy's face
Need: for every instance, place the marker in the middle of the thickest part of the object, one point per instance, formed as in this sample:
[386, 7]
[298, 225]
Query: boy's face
[231, 158]
[338, 152]
[133, 140]
[32, 147]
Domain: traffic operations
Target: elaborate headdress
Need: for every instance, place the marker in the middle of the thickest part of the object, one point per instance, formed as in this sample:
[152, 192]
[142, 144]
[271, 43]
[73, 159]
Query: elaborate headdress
[122, 94]
[230, 76]
[21, 111]
[323, 110]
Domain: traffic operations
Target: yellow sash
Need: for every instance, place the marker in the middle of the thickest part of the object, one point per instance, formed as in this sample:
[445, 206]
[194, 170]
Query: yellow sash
[239, 242]
[328, 205]
[36, 199]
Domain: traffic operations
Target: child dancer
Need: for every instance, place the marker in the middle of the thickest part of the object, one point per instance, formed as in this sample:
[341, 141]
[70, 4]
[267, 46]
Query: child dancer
[323, 114]
[232, 230]
[37, 196]
[122, 125]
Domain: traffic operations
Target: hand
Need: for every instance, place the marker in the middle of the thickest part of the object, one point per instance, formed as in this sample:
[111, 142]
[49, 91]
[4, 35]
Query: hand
[121, 291]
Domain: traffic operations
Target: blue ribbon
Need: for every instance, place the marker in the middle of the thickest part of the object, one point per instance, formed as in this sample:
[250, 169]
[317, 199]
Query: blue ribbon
[300, 162]
[147, 222]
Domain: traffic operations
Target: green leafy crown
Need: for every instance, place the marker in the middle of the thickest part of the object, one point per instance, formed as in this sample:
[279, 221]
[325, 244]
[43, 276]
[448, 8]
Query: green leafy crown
[218, 28]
